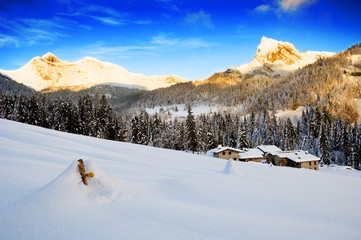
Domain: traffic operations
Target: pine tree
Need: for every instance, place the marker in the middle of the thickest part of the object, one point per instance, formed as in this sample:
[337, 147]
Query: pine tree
[346, 142]
[242, 137]
[155, 131]
[355, 145]
[179, 136]
[324, 145]
[191, 135]
[143, 124]
[298, 136]
[22, 112]
[134, 129]
[254, 131]
[317, 123]
[201, 133]
[289, 136]
[123, 131]
[34, 112]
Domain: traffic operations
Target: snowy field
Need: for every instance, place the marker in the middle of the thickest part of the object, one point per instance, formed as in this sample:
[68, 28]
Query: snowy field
[182, 111]
[141, 192]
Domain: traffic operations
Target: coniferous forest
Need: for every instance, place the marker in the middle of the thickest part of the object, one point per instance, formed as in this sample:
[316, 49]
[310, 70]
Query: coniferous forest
[335, 141]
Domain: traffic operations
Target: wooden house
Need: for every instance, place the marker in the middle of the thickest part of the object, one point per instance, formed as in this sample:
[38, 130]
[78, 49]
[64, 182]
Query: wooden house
[297, 159]
[268, 149]
[251, 154]
[224, 153]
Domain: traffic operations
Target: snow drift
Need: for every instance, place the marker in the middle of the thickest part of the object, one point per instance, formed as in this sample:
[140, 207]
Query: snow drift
[141, 192]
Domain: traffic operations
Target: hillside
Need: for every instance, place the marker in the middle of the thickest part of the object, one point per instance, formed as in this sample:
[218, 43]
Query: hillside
[278, 78]
[9, 86]
[49, 74]
[141, 192]
[333, 81]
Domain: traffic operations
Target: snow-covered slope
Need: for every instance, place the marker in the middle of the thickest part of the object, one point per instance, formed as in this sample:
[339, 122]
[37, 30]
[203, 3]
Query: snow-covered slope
[141, 192]
[275, 58]
[49, 72]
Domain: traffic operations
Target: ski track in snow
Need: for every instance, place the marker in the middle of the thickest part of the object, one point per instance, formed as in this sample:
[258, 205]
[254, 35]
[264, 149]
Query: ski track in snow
[141, 192]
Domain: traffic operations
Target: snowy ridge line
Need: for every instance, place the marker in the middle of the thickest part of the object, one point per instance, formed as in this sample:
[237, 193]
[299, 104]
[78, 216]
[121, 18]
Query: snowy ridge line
[52, 74]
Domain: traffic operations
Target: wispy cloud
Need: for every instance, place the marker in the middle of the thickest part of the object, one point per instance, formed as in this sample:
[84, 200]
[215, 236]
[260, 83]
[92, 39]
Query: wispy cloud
[292, 5]
[263, 8]
[105, 15]
[6, 40]
[280, 7]
[155, 46]
[106, 52]
[142, 22]
[29, 31]
[169, 4]
[101, 49]
[163, 40]
[109, 20]
[199, 18]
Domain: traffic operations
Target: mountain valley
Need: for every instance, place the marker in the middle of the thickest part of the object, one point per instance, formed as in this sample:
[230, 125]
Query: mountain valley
[279, 77]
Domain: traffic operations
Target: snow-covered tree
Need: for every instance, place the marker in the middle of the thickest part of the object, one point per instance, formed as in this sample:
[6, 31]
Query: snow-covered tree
[191, 134]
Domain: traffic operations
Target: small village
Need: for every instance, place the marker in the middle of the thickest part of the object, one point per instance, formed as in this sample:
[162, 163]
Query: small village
[269, 154]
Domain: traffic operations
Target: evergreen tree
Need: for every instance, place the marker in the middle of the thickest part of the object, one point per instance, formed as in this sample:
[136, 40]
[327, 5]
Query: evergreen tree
[134, 129]
[143, 124]
[324, 145]
[289, 137]
[242, 137]
[34, 112]
[317, 123]
[355, 145]
[22, 112]
[201, 133]
[210, 141]
[191, 135]
[155, 131]
[123, 131]
[346, 142]
[179, 143]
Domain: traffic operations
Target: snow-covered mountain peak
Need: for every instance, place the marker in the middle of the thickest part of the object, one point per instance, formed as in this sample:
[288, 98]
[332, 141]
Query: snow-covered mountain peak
[51, 73]
[276, 58]
[89, 60]
[271, 50]
[50, 57]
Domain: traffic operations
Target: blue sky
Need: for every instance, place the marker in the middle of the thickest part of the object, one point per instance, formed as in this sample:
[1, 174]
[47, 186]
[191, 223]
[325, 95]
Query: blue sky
[191, 39]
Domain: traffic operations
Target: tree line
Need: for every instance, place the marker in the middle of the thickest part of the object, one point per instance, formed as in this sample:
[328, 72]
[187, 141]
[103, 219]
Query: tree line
[333, 139]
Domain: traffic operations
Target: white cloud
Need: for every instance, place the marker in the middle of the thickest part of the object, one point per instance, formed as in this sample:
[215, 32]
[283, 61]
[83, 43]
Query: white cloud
[109, 20]
[199, 18]
[263, 8]
[6, 40]
[292, 5]
[30, 31]
[164, 40]
[280, 7]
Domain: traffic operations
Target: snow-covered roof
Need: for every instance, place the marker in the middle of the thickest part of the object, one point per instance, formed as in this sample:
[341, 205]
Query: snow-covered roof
[221, 149]
[250, 153]
[297, 156]
[268, 148]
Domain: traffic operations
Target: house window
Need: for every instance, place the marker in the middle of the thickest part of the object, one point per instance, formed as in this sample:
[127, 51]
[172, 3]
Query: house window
[229, 153]
[223, 153]
[315, 168]
[310, 163]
